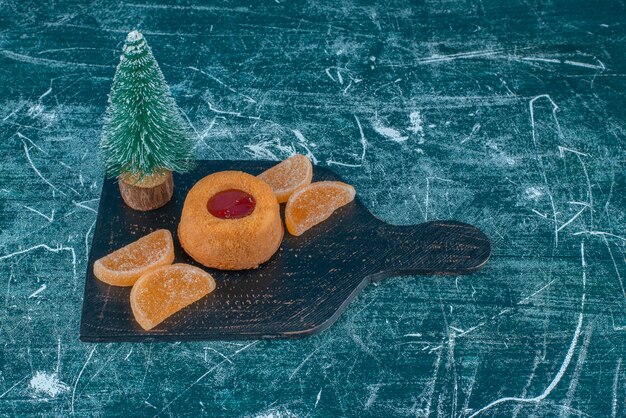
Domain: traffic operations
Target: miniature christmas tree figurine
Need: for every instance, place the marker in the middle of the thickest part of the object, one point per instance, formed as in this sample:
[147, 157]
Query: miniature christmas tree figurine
[144, 136]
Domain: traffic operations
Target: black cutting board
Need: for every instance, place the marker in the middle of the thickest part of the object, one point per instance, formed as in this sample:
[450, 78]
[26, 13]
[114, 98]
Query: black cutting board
[300, 291]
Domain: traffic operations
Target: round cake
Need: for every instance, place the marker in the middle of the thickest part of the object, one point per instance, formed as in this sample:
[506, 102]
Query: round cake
[230, 221]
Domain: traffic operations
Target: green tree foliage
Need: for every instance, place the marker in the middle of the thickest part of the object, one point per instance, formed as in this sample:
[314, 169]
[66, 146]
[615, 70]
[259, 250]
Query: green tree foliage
[144, 132]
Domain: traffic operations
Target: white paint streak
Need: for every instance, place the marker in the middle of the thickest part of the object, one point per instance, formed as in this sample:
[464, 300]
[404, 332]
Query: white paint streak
[582, 356]
[568, 356]
[205, 375]
[616, 387]
[550, 60]
[47, 248]
[599, 66]
[212, 77]
[82, 204]
[475, 130]
[48, 218]
[327, 71]
[333, 162]
[236, 114]
[433, 383]
[426, 198]
[22, 136]
[317, 399]
[600, 233]
[531, 105]
[58, 367]
[619, 276]
[373, 395]
[304, 144]
[49, 62]
[586, 65]
[220, 354]
[30, 161]
[307, 358]
[87, 239]
[78, 378]
[38, 291]
[461, 55]
[2, 395]
[544, 287]
[389, 133]
[579, 155]
[265, 150]
[572, 219]
[362, 139]
[364, 145]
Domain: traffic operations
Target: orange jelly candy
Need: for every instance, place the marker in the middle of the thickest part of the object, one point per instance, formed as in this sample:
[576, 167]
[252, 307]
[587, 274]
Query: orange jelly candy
[124, 266]
[288, 176]
[166, 290]
[315, 203]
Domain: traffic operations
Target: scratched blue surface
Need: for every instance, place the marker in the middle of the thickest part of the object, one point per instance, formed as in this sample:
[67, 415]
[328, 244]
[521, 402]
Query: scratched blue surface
[506, 116]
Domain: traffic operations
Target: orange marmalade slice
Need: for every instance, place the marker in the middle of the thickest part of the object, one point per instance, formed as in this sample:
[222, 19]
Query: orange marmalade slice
[124, 266]
[315, 203]
[288, 176]
[166, 290]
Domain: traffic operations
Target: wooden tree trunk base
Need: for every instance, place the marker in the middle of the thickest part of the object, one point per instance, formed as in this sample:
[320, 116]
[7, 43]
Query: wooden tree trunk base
[148, 194]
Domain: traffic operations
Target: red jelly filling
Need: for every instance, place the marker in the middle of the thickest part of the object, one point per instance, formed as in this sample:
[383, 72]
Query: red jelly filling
[231, 204]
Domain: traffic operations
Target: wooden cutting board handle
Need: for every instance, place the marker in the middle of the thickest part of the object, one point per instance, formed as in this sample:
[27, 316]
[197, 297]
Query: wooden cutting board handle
[437, 247]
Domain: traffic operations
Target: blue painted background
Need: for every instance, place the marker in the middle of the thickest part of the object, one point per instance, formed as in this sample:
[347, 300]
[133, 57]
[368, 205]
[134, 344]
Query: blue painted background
[506, 115]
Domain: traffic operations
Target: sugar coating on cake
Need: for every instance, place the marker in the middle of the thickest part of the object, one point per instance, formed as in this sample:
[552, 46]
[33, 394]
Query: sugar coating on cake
[124, 266]
[164, 291]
